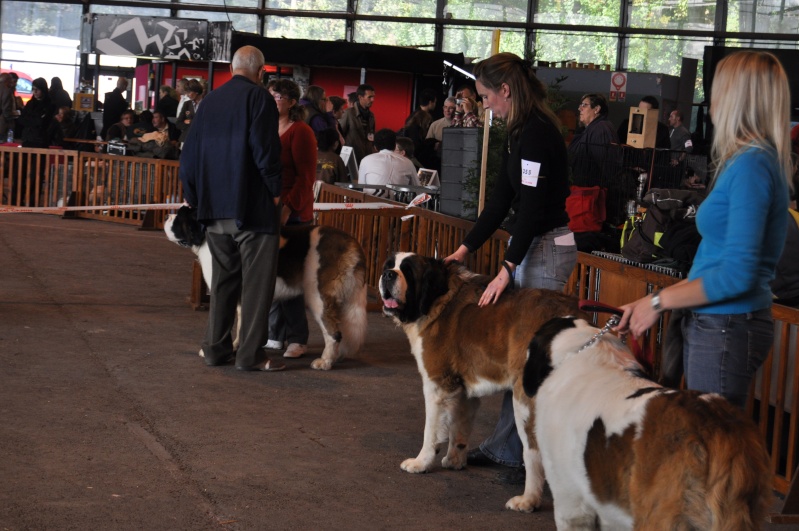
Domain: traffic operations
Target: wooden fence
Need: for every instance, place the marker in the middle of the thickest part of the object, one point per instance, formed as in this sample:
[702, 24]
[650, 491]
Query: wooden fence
[56, 177]
[42, 177]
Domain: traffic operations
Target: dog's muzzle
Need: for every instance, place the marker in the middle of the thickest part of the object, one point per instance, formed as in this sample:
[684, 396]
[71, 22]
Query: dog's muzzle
[387, 284]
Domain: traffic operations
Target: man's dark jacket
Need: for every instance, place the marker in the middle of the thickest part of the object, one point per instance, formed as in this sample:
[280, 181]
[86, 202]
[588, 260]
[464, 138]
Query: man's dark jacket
[230, 163]
[113, 107]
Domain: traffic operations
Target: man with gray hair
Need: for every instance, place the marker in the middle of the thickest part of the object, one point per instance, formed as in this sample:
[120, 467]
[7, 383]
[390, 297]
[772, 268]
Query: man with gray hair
[437, 128]
[231, 173]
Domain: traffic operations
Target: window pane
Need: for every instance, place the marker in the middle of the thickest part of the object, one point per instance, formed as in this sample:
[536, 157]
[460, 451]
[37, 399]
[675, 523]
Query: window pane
[139, 11]
[476, 43]
[395, 34]
[765, 17]
[502, 11]
[596, 13]
[686, 14]
[309, 5]
[397, 8]
[41, 18]
[230, 3]
[305, 28]
[663, 55]
[241, 22]
[597, 48]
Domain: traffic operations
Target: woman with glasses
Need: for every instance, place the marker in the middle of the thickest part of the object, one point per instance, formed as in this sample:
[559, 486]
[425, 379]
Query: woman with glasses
[588, 151]
[317, 110]
[287, 321]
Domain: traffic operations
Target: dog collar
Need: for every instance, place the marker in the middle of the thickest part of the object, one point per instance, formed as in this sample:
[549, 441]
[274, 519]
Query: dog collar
[612, 321]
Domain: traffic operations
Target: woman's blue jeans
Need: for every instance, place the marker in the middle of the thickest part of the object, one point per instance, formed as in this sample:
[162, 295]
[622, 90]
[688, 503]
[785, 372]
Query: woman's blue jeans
[722, 352]
[547, 264]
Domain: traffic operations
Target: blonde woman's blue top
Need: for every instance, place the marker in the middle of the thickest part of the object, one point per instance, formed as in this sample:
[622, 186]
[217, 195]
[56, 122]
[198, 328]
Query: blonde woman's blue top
[742, 222]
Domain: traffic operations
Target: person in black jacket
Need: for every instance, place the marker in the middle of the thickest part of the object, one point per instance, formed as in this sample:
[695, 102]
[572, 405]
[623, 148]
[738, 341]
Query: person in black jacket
[114, 104]
[36, 117]
[231, 173]
[58, 95]
[534, 182]
[167, 104]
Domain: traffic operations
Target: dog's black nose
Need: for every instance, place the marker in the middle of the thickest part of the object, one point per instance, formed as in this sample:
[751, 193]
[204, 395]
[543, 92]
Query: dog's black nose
[389, 275]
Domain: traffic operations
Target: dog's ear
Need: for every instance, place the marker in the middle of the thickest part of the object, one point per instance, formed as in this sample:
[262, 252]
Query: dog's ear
[539, 359]
[191, 230]
[433, 285]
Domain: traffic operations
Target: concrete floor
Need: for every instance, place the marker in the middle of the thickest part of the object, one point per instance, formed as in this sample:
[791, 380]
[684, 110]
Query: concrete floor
[110, 420]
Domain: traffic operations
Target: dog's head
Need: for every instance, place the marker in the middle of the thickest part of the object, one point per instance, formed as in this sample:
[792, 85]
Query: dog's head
[184, 229]
[410, 284]
[552, 343]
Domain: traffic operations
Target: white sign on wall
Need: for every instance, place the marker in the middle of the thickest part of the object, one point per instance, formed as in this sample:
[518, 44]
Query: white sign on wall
[618, 86]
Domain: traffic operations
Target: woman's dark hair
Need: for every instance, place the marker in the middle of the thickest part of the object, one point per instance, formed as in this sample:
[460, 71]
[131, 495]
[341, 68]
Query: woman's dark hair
[597, 100]
[528, 95]
[291, 90]
[194, 86]
[338, 102]
[314, 95]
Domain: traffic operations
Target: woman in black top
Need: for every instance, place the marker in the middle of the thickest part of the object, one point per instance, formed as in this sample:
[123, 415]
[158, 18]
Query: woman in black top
[534, 183]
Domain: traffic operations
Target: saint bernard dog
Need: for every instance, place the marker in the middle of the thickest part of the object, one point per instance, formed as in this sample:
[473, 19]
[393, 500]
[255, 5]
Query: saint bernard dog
[464, 352]
[622, 452]
[325, 264]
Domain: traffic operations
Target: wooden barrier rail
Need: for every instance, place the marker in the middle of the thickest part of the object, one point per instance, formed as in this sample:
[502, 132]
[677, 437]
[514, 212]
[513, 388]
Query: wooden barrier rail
[55, 177]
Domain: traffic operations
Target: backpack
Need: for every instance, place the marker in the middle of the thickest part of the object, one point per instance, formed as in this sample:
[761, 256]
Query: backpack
[669, 219]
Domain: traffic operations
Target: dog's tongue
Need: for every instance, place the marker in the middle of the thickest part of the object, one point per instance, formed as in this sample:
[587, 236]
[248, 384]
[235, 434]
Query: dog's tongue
[390, 303]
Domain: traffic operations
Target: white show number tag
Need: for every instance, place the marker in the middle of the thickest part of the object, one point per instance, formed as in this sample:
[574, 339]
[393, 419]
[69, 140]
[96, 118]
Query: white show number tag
[530, 172]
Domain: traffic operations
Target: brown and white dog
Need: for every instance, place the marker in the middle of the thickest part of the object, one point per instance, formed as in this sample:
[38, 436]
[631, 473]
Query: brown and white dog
[622, 452]
[464, 352]
[325, 264]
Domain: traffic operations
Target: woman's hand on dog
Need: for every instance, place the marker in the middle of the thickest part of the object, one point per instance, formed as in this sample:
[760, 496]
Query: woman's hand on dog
[458, 256]
[495, 288]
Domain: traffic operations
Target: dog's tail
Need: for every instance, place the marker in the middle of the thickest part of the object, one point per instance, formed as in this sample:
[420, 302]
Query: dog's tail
[740, 482]
[353, 323]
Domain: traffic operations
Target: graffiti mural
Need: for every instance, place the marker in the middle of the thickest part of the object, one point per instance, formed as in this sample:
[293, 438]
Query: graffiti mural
[164, 38]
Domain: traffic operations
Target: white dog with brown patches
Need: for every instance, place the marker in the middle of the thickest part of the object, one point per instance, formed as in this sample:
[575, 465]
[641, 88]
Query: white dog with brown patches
[621, 452]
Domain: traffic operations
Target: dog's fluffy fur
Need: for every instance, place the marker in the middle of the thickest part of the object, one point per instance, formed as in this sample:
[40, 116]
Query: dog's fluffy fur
[464, 352]
[325, 264]
[622, 452]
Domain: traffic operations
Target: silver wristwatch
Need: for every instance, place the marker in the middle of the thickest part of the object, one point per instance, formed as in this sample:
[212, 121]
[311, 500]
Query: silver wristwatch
[656, 302]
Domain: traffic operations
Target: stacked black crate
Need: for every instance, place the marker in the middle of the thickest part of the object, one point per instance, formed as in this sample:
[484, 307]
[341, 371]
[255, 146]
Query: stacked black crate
[460, 159]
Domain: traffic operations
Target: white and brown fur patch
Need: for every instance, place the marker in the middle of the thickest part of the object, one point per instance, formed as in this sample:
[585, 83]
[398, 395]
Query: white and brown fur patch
[621, 452]
[325, 264]
[464, 352]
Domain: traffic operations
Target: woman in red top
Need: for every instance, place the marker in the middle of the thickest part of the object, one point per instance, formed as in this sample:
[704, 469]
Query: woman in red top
[287, 321]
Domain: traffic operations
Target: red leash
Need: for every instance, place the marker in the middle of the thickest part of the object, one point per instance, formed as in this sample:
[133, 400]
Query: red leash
[642, 352]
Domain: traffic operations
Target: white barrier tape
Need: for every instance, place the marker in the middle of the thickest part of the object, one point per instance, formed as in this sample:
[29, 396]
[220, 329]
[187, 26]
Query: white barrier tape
[174, 206]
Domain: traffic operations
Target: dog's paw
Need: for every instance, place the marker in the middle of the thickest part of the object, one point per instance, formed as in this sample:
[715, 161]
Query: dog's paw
[414, 466]
[456, 462]
[322, 364]
[522, 504]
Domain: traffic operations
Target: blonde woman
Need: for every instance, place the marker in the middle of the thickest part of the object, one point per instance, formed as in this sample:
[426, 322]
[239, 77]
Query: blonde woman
[728, 331]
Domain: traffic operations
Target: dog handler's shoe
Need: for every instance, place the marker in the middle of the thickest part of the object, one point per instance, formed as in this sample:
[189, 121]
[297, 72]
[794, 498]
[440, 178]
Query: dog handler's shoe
[274, 344]
[513, 476]
[295, 350]
[476, 457]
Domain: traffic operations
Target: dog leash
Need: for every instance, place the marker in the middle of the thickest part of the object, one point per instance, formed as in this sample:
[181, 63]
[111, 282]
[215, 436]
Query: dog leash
[613, 320]
[641, 352]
